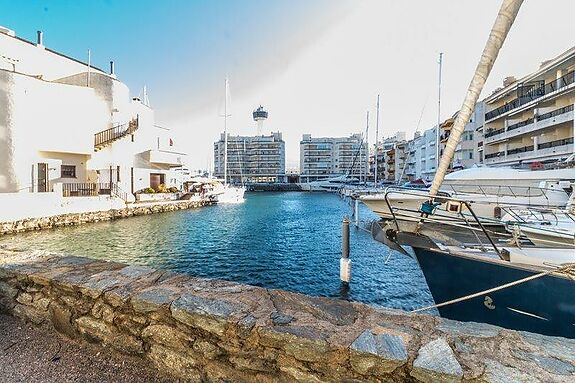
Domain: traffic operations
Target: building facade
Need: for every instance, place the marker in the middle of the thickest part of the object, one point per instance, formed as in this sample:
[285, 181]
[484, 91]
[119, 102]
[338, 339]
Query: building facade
[251, 159]
[530, 121]
[326, 157]
[74, 129]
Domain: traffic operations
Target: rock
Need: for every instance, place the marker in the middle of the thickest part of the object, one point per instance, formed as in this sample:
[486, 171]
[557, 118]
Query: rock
[377, 354]
[280, 319]
[7, 291]
[25, 298]
[98, 331]
[30, 314]
[168, 336]
[495, 372]
[436, 362]
[207, 314]
[478, 330]
[152, 299]
[250, 363]
[182, 365]
[549, 364]
[207, 349]
[61, 320]
[103, 311]
[560, 348]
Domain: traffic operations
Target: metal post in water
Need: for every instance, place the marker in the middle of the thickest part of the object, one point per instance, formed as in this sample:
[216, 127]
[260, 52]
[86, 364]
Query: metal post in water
[356, 212]
[345, 262]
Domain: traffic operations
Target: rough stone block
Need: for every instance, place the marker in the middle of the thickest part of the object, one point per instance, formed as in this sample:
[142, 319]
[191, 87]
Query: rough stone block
[377, 354]
[168, 336]
[30, 314]
[436, 362]
[152, 299]
[98, 331]
[61, 320]
[181, 365]
[210, 315]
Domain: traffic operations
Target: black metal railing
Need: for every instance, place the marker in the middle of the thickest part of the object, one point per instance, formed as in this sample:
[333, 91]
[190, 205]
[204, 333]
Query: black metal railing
[553, 144]
[492, 133]
[533, 94]
[108, 136]
[85, 189]
[520, 124]
[556, 112]
[493, 155]
[523, 149]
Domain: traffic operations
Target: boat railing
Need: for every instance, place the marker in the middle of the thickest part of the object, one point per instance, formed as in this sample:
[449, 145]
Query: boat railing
[500, 190]
[429, 213]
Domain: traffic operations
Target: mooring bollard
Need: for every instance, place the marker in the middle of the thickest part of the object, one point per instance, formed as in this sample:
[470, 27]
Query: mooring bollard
[345, 262]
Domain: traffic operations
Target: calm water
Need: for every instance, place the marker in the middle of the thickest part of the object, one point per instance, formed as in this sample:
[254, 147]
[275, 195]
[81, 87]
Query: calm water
[288, 241]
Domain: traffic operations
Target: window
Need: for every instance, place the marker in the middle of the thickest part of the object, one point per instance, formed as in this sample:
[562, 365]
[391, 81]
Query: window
[471, 155]
[68, 171]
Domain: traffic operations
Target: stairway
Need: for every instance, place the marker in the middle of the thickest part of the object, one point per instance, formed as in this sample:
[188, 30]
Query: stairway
[115, 133]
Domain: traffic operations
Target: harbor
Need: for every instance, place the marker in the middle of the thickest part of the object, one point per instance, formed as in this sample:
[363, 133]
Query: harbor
[290, 233]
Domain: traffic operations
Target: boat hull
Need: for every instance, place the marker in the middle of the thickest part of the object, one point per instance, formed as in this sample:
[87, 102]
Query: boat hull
[545, 305]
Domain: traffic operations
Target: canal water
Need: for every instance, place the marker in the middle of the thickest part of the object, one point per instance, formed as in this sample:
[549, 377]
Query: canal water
[289, 241]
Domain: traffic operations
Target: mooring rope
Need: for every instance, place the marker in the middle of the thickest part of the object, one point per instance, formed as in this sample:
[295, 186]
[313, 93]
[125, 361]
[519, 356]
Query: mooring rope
[567, 268]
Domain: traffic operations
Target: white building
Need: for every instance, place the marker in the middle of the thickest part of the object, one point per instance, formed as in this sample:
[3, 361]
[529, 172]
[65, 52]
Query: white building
[74, 130]
[252, 159]
[530, 120]
[325, 157]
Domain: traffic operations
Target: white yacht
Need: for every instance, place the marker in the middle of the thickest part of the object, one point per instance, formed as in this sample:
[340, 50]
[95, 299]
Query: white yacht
[329, 184]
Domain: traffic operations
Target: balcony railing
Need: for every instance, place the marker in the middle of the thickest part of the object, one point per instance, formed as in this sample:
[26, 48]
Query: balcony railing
[523, 149]
[493, 155]
[492, 133]
[533, 94]
[520, 124]
[555, 113]
[85, 189]
[556, 143]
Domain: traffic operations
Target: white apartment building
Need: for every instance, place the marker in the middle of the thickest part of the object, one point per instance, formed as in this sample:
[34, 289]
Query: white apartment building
[73, 129]
[252, 159]
[326, 157]
[530, 121]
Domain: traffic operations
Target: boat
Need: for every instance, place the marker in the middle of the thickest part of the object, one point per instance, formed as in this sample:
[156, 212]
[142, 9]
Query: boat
[228, 193]
[489, 202]
[332, 184]
[504, 283]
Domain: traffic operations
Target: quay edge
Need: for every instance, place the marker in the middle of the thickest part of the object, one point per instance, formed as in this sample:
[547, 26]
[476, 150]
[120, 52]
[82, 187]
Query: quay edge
[73, 219]
[212, 330]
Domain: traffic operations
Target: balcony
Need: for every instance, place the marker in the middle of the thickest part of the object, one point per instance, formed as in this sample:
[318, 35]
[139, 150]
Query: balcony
[533, 94]
[494, 155]
[542, 121]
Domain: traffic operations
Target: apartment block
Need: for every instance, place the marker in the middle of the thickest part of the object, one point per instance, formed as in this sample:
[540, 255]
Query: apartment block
[252, 159]
[325, 157]
[530, 121]
[73, 129]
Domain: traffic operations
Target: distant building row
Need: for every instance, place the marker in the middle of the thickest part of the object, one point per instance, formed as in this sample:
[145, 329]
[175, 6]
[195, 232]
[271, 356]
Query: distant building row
[528, 122]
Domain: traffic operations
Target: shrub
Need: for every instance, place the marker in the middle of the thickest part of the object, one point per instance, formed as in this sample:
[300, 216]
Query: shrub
[149, 190]
[162, 188]
[173, 189]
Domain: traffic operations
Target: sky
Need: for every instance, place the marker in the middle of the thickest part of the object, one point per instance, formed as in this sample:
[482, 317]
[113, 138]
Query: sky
[317, 66]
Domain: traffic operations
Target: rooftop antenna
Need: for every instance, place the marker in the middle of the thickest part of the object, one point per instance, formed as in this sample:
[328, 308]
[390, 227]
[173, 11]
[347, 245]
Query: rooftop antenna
[145, 99]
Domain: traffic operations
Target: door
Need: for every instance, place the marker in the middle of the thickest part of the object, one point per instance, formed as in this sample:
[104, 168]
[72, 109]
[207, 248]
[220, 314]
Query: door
[156, 179]
[42, 177]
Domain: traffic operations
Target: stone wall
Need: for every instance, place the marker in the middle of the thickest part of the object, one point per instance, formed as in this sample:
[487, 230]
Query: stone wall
[216, 331]
[72, 219]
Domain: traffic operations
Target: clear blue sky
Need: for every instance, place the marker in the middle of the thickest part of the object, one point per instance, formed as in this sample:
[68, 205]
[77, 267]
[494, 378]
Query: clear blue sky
[173, 47]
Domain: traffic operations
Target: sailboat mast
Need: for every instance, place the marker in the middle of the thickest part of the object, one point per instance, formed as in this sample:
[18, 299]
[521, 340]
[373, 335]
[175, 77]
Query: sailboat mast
[376, 138]
[437, 132]
[226, 134]
[366, 164]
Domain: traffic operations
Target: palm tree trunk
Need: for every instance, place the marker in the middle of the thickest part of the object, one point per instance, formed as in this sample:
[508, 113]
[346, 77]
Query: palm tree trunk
[505, 18]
